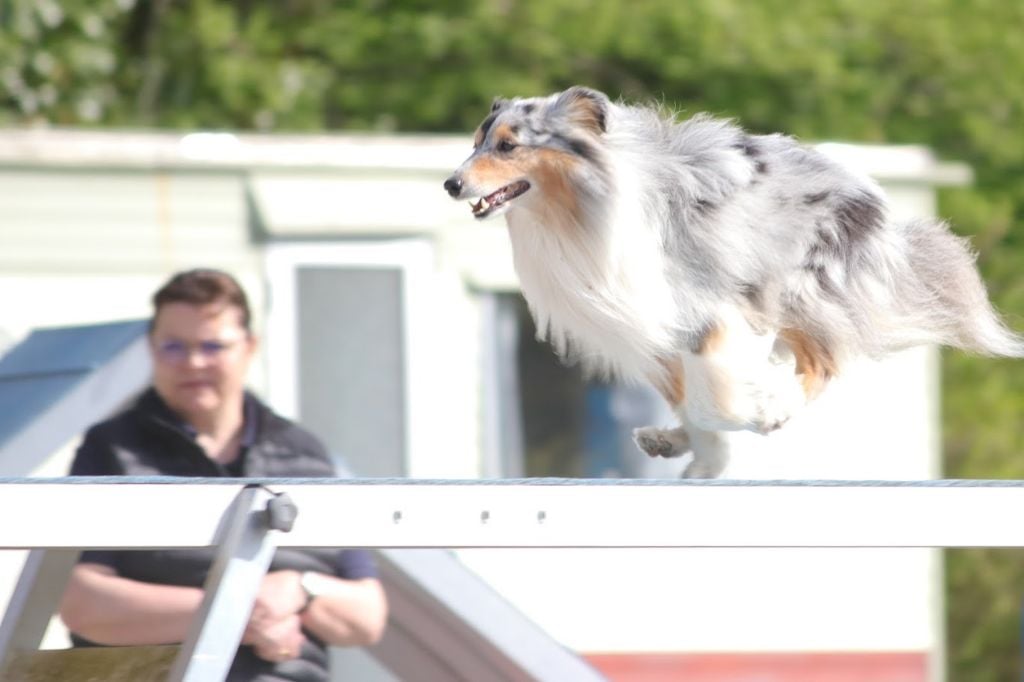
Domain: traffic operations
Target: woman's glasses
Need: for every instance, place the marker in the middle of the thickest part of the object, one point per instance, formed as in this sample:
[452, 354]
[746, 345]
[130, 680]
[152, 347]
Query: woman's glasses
[175, 352]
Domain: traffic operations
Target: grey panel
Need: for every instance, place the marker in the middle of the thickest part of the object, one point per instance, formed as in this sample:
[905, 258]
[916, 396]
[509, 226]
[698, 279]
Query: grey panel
[503, 448]
[69, 349]
[351, 369]
[58, 381]
[22, 398]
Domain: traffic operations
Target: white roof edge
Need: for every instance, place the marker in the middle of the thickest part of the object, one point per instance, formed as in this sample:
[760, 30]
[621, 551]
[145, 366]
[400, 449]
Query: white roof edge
[899, 163]
[212, 150]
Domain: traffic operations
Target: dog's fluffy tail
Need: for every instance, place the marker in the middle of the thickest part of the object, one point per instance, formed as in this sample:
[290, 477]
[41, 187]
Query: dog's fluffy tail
[951, 293]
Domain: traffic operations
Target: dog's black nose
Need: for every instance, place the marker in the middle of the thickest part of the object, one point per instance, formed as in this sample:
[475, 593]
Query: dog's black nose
[453, 186]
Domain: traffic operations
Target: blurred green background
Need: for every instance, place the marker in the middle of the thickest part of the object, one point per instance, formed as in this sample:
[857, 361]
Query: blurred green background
[945, 73]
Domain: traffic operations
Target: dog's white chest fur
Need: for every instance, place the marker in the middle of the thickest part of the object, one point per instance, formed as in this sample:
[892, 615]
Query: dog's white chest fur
[600, 296]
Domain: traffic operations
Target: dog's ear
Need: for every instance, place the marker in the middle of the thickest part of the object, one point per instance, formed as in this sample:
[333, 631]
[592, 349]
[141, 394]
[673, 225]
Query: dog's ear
[585, 107]
[498, 104]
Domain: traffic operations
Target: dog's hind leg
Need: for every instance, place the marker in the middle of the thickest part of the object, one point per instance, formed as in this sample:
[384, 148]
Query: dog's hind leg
[733, 384]
[815, 365]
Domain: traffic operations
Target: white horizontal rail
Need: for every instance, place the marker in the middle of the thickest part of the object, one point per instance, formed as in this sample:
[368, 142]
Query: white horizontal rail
[155, 513]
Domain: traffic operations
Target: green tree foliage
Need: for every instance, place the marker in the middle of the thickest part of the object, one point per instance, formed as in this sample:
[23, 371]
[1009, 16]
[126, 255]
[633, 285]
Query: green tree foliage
[945, 73]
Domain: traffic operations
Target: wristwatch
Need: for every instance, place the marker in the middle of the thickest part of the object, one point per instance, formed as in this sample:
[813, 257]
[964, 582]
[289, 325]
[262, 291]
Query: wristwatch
[313, 585]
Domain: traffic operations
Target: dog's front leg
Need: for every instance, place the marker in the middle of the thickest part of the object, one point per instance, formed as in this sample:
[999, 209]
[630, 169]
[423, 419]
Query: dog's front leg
[662, 442]
[732, 384]
[710, 449]
[710, 453]
[673, 442]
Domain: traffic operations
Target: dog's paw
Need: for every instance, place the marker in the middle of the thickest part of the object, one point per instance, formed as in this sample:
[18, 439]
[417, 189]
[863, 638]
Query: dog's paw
[769, 423]
[777, 405]
[662, 442]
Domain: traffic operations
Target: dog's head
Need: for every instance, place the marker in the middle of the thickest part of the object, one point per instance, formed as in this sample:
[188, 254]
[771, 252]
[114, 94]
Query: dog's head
[530, 147]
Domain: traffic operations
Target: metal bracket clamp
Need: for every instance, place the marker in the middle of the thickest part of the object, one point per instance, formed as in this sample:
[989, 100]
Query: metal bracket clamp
[281, 512]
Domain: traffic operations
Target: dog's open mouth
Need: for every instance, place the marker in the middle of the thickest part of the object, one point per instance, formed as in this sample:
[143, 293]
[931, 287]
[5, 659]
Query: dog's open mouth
[488, 204]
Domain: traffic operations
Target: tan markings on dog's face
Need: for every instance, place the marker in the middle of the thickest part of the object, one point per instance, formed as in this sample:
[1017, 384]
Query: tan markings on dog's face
[504, 132]
[553, 171]
[813, 360]
[586, 112]
[549, 172]
[491, 172]
[670, 382]
[481, 131]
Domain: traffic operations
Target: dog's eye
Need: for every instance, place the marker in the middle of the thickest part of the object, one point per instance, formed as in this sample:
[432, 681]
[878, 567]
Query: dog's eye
[506, 146]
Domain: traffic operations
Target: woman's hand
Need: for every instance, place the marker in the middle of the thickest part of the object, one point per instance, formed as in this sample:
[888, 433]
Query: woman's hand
[280, 595]
[275, 629]
[276, 641]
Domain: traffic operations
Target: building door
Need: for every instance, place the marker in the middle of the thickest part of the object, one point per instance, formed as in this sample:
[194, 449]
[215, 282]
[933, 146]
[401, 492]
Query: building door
[338, 346]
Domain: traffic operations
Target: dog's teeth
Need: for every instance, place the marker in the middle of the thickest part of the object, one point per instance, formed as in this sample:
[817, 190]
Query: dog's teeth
[480, 206]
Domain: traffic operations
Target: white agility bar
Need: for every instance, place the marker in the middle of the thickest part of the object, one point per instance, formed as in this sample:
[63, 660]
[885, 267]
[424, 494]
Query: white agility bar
[56, 513]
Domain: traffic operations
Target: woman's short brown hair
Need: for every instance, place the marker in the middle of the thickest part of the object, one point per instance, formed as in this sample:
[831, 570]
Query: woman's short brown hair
[203, 286]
